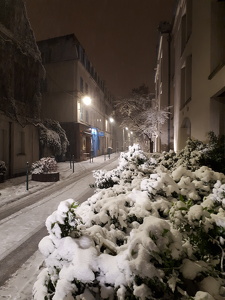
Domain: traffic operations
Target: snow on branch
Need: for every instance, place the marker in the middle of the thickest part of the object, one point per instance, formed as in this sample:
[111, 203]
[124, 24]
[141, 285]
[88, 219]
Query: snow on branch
[52, 135]
[141, 113]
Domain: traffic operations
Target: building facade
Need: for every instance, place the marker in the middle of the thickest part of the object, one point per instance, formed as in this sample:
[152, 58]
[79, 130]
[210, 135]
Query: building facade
[70, 77]
[197, 57]
[21, 73]
[163, 91]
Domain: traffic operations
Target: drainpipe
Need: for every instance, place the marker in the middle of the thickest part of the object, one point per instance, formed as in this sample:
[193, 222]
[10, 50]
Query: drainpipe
[169, 75]
[10, 149]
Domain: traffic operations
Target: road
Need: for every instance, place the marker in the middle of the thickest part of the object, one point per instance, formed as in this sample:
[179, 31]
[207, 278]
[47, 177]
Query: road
[22, 223]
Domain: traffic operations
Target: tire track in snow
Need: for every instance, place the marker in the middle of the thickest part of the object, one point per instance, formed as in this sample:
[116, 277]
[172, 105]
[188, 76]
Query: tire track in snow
[10, 209]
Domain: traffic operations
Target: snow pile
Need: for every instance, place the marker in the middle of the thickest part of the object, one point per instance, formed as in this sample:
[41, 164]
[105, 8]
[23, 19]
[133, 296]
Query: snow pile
[44, 165]
[152, 233]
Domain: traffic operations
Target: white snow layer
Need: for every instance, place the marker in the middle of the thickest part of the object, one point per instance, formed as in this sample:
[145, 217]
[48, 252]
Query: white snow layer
[135, 227]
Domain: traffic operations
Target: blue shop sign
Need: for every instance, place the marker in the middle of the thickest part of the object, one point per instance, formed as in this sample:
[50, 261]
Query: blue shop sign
[101, 133]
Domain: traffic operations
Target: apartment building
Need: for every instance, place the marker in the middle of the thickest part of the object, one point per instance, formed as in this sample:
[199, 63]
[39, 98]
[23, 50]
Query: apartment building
[21, 73]
[70, 78]
[197, 75]
[163, 91]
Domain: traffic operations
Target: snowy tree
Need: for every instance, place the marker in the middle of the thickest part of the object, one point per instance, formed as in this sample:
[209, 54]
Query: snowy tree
[141, 113]
[53, 136]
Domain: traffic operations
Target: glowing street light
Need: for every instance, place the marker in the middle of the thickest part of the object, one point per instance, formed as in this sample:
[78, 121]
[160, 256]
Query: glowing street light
[86, 100]
[111, 120]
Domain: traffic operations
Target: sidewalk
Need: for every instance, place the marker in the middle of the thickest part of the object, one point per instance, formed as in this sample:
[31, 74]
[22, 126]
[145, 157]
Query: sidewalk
[15, 188]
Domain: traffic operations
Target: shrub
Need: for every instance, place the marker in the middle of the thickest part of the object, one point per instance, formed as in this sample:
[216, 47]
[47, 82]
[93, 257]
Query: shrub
[133, 163]
[196, 154]
[3, 168]
[214, 154]
[44, 165]
[153, 235]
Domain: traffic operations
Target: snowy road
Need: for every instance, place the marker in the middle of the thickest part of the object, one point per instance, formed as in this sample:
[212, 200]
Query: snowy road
[22, 226]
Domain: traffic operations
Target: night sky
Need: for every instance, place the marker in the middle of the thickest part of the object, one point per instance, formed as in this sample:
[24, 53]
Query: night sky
[120, 37]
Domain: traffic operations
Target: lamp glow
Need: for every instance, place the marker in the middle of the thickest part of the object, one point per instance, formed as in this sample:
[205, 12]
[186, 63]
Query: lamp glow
[86, 100]
[111, 120]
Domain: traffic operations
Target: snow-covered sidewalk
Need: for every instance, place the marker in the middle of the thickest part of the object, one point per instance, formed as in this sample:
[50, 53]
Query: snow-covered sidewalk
[15, 188]
[19, 286]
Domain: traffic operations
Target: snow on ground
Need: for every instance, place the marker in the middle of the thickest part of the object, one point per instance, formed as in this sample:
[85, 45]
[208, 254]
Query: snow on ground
[20, 285]
[15, 188]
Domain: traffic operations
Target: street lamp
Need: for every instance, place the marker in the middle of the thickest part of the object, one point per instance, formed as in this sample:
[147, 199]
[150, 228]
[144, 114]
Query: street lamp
[111, 120]
[86, 100]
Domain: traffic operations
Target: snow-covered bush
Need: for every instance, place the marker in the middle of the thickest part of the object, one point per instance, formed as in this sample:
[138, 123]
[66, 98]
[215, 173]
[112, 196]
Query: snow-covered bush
[196, 154]
[151, 234]
[132, 164]
[44, 165]
[214, 154]
[188, 157]
[53, 136]
[3, 168]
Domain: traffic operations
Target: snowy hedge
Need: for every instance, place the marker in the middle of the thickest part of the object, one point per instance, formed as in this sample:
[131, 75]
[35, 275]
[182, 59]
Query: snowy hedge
[147, 233]
[197, 153]
[44, 165]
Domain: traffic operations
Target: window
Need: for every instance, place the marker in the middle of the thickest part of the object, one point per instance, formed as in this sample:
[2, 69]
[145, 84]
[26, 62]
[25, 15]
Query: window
[81, 54]
[88, 65]
[21, 143]
[189, 18]
[81, 85]
[182, 87]
[188, 83]
[81, 113]
[87, 117]
[86, 88]
[183, 33]
[217, 35]
[186, 25]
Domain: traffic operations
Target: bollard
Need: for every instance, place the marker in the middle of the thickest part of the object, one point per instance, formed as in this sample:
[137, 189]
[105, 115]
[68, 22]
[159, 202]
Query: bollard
[91, 156]
[73, 163]
[27, 173]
